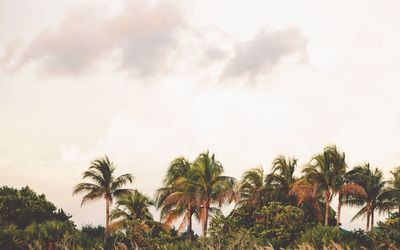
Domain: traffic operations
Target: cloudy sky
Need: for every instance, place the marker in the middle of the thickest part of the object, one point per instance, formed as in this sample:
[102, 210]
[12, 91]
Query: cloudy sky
[145, 81]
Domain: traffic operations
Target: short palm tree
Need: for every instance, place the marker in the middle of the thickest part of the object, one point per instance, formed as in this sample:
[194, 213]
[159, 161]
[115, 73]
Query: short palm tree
[104, 184]
[132, 206]
[132, 215]
[210, 185]
[372, 182]
[175, 198]
[323, 171]
[132, 218]
[282, 178]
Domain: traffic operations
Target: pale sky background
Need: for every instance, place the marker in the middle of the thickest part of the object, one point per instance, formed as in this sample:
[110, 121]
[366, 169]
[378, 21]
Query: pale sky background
[147, 81]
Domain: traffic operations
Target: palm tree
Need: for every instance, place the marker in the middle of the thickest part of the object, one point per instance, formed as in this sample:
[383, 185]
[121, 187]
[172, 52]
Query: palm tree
[210, 185]
[346, 188]
[132, 206]
[282, 177]
[133, 218]
[103, 185]
[132, 214]
[392, 193]
[373, 184]
[323, 171]
[175, 198]
[253, 189]
[307, 193]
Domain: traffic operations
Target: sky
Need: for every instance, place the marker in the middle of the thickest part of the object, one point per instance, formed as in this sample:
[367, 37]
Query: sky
[147, 81]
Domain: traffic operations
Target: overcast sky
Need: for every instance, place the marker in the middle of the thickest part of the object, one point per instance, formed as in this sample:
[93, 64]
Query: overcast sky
[147, 81]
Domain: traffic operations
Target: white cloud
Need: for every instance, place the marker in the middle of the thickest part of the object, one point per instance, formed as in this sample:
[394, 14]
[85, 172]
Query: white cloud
[145, 36]
[264, 52]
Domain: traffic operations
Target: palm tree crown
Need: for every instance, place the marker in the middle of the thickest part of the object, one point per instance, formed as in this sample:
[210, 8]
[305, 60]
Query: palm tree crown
[282, 178]
[253, 188]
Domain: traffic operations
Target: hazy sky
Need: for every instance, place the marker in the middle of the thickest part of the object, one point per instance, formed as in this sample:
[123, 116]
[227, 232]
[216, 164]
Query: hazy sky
[147, 81]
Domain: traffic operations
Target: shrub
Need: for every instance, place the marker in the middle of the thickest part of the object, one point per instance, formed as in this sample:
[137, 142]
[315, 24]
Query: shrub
[321, 236]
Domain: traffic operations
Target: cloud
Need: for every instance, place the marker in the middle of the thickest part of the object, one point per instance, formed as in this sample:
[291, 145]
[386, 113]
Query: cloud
[74, 47]
[9, 53]
[146, 36]
[214, 54]
[140, 39]
[264, 52]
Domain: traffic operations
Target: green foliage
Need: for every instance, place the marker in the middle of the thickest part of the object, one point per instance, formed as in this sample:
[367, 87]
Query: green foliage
[50, 233]
[358, 239]
[10, 237]
[321, 236]
[275, 223]
[279, 224]
[387, 234]
[23, 207]
[91, 237]
[238, 239]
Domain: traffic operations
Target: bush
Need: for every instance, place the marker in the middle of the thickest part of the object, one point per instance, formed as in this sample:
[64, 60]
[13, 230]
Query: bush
[278, 224]
[387, 234]
[274, 224]
[321, 236]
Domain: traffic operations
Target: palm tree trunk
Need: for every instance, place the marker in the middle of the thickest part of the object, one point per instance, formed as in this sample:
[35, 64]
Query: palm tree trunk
[339, 207]
[107, 215]
[327, 194]
[372, 218]
[189, 226]
[368, 214]
[205, 222]
[107, 243]
[50, 246]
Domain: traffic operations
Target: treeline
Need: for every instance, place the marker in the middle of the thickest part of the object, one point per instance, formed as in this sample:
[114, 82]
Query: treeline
[30, 221]
[271, 210]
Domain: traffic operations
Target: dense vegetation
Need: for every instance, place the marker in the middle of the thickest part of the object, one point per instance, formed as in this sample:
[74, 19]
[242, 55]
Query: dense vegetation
[271, 210]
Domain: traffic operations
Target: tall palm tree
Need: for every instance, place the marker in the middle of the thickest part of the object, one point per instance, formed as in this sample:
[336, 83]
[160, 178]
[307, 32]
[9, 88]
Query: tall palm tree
[210, 185]
[282, 177]
[175, 198]
[372, 182]
[253, 189]
[103, 184]
[323, 171]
